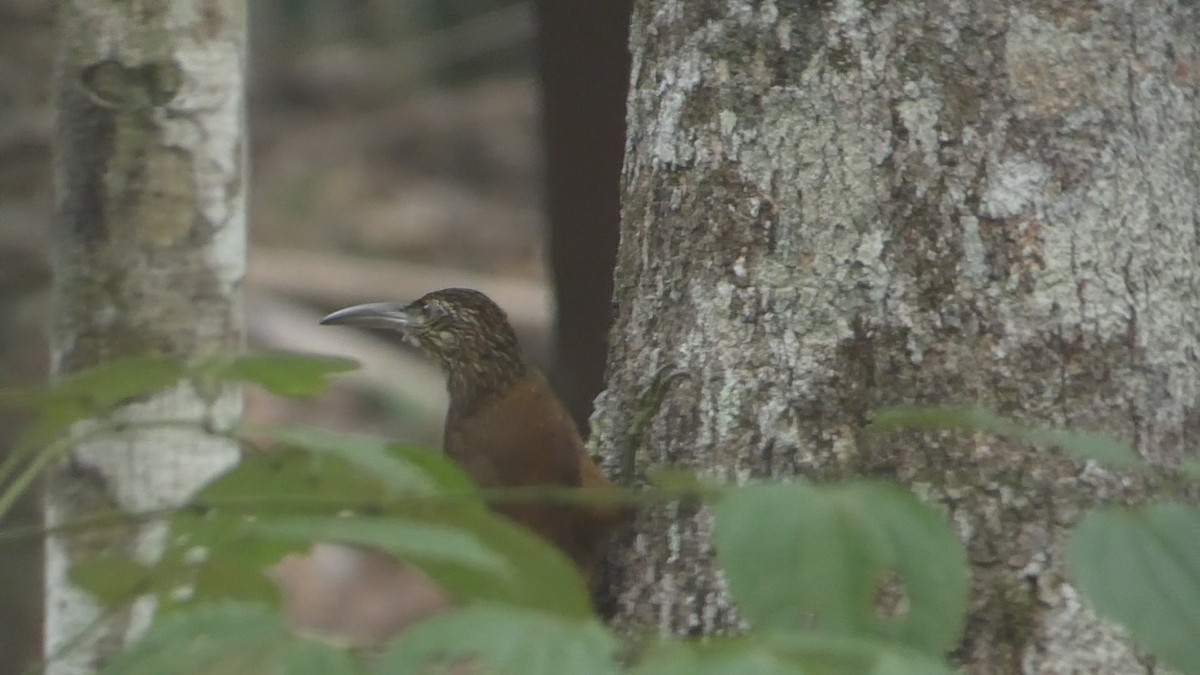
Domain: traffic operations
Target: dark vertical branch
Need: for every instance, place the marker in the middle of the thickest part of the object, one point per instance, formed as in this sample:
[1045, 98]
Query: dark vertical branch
[583, 64]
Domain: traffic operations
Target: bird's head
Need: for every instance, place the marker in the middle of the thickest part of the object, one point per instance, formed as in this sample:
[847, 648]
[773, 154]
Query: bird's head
[462, 329]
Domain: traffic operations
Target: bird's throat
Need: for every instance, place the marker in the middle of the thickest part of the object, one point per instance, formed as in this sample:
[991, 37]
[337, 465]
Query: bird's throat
[472, 382]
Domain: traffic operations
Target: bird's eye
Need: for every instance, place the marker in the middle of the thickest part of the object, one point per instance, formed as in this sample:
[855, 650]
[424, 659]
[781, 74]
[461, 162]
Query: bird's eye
[435, 314]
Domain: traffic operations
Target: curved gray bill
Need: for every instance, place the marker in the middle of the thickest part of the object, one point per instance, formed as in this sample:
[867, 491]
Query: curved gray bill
[391, 315]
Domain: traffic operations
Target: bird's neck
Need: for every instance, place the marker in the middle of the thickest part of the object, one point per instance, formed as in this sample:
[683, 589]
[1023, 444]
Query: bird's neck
[472, 382]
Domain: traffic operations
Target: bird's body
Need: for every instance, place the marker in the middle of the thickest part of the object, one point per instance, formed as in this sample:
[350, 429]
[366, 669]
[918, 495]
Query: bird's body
[532, 442]
[505, 426]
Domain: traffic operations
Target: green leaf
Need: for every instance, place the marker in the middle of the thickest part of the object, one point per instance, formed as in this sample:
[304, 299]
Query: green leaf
[329, 472]
[542, 578]
[228, 639]
[218, 547]
[112, 580]
[1191, 467]
[927, 556]
[421, 544]
[506, 640]
[788, 552]
[399, 472]
[223, 576]
[289, 479]
[107, 384]
[442, 470]
[283, 373]
[1141, 566]
[211, 556]
[36, 448]
[797, 555]
[896, 663]
[273, 503]
[470, 552]
[75, 397]
[1084, 445]
[216, 551]
[719, 657]
[1097, 447]
[787, 654]
[830, 653]
[217, 556]
[289, 482]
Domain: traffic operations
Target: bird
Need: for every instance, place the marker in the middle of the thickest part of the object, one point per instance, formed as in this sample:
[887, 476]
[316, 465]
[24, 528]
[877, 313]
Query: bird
[505, 426]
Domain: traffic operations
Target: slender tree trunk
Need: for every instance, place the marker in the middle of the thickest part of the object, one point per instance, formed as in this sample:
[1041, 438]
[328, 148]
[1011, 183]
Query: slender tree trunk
[149, 249]
[583, 66]
[833, 207]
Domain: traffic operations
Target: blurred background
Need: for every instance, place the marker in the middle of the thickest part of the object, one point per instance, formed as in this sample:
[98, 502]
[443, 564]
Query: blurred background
[397, 146]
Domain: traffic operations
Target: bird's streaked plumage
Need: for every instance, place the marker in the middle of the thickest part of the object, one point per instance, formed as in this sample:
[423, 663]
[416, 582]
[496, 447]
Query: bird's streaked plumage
[505, 426]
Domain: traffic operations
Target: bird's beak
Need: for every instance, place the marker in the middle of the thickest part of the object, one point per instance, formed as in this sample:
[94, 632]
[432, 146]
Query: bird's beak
[390, 315]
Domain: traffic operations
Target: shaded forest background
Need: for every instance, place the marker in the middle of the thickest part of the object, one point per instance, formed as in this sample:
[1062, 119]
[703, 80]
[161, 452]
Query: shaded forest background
[395, 147]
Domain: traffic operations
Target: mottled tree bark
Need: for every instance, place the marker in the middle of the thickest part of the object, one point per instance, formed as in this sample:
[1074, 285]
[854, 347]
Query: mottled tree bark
[149, 248]
[833, 207]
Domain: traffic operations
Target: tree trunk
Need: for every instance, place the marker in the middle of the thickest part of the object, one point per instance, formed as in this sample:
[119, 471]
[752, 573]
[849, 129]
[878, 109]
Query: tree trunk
[149, 250]
[584, 74]
[834, 207]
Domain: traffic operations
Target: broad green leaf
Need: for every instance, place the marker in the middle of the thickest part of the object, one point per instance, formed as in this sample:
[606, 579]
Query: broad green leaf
[38, 446]
[288, 483]
[277, 502]
[444, 472]
[1084, 445]
[218, 548]
[472, 553]
[214, 550]
[1191, 467]
[112, 382]
[209, 556]
[1095, 446]
[926, 555]
[797, 555]
[291, 479]
[835, 654]
[506, 640]
[719, 657]
[371, 456]
[896, 663]
[1141, 566]
[789, 553]
[112, 580]
[807, 653]
[229, 639]
[542, 578]
[283, 373]
[227, 574]
[218, 556]
[77, 396]
[422, 544]
[99, 387]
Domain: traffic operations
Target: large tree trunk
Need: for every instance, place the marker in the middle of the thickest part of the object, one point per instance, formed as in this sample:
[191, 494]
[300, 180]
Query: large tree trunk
[149, 249]
[833, 207]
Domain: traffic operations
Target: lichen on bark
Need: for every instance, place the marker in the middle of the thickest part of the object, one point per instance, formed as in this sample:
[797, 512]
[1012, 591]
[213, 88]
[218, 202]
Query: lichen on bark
[847, 205]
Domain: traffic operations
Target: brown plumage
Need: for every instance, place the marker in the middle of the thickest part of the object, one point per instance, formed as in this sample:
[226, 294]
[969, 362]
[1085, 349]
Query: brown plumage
[505, 425]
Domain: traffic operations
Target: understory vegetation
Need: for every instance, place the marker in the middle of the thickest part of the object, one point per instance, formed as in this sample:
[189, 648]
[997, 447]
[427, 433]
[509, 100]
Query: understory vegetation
[854, 577]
